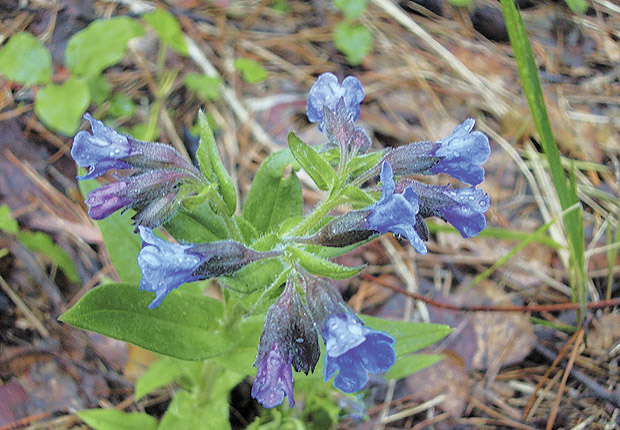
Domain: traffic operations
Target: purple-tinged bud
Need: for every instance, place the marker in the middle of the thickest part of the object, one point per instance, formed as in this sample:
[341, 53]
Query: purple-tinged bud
[326, 92]
[351, 349]
[340, 130]
[101, 151]
[107, 199]
[462, 153]
[165, 266]
[290, 331]
[464, 208]
[416, 157]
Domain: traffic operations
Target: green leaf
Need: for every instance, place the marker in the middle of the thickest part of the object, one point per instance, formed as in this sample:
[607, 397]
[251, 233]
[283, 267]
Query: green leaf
[249, 284]
[42, 243]
[122, 244]
[199, 225]
[100, 45]
[8, 224]
[25, 60]
[61, 107]
[159, 374]
[320, 266]
[528, 73]
[183, 326]
[251, 71]
[577, 6]
[99, 89]
[410, 336]
[364, 162]
[168, 29]
[409, 364]
[351, 8]
[353, 40]
[275, 194]
[319, 170]
[241, 359]
[122, 106]
[357, 197]
[460, 2]
[111, 419]
[208, 154]
[207, 87]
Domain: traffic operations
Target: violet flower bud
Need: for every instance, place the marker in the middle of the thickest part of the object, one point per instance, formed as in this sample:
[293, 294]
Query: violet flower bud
[288, 339]
[105, 200]
[351, 349]
[165, 266]
[326, 92]
[341, 132]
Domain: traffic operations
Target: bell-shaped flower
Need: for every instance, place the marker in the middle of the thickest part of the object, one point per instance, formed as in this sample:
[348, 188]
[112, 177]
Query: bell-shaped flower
[326, 92]
[289, 338]
[165, 266]
[462, 153]
[395, 213]
[464, 208]
[351, 349]
[104, 150]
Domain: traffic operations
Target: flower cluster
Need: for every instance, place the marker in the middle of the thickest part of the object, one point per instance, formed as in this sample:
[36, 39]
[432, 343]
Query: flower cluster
[156, 175]
[154, 180]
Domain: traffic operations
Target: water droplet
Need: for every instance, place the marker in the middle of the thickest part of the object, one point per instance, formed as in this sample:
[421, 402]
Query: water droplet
[111, 153]
[481, 203]
[181, 259]
[117, 150]
[456, 153]
[472, 198]
[299, 340]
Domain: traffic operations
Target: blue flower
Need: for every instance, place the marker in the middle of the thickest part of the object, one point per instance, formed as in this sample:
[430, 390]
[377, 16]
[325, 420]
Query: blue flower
[464, 208]
[353, 350]
[395, 213]
[274, 379]
[462, 153]
[165, 265]
[101, 151]
[327, 92]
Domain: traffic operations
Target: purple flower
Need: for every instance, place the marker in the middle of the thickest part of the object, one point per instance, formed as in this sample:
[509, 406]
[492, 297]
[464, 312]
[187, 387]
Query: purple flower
[101, 151]
[464, 208]
[395, 213]
[165, 266]
[105, 200]
[462, 153]
[341, 132]
[327, 92]
[274, 379]
[353, 350]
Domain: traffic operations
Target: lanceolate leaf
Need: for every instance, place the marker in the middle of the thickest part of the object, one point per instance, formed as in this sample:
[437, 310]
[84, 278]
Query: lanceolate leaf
[208, 155]
[111, 419]
[275, 194]
[184, 326]
[320, 266]
[409, 364]
[319, 170]
[200, 225]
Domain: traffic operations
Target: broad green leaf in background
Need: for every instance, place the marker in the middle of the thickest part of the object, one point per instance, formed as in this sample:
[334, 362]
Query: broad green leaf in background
[99, 89]
[122, 106]
[208, 154]
[577, 6]
[251, 71]
[353, 40]
[100, 45]
[42, 243]
[159, 374]
[409, 336]
[241, 359]
[168, 29]
[460, 2]
[351, 8]
[321, 266]
[207, 87]
[319, 170]
[255, 282]
[111, 419]
[183, 326]
[409, 364]
[275, 194]
[122, 244]
[60, 107]
[8, 224]
[25, 60]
